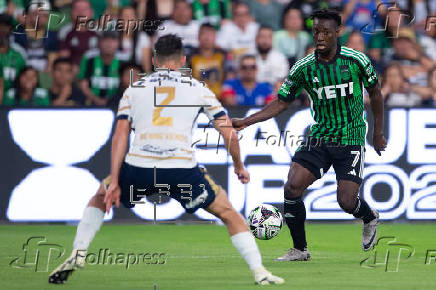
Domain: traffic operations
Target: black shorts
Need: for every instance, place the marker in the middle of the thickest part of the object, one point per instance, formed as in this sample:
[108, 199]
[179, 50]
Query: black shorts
[347, 160]
[193, 188]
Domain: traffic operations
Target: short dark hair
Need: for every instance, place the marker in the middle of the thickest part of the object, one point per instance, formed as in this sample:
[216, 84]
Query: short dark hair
[240, 3]
[246, 56]
[168, 46]
[327, 14]
[206, 25]
[7, 20]
[78, 1]
[183, 2]
[263, 26]
[60, 60]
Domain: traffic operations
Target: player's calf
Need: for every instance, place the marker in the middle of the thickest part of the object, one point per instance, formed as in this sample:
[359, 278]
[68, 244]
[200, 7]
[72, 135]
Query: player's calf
[295, 211]
[347, 202]
[348, 195]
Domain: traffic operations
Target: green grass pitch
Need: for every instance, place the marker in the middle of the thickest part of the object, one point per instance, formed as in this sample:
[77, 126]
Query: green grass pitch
[202, 257]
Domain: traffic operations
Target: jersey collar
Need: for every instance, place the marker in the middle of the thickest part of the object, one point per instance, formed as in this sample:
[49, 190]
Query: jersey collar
[338, 52]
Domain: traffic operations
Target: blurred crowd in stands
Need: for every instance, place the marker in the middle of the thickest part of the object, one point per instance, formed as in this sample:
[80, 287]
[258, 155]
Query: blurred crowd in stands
[82, 52]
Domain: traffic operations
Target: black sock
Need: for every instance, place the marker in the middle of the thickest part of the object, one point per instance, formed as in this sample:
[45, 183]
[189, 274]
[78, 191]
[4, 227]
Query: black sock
[295, 216]
[363, 211]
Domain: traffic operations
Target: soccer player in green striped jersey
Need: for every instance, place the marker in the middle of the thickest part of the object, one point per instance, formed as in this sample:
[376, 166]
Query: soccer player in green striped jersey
[334, 78]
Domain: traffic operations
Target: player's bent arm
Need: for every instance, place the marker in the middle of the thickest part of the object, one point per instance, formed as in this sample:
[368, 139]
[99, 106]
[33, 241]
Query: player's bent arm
[271, 110]
[376, 99]
[119, 148]
[224, 126]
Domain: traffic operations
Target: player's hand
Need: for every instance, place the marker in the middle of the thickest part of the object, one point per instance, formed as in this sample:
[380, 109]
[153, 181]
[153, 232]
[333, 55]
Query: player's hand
[238, 123]
[242, 174]
[112, 196]
[379, 143]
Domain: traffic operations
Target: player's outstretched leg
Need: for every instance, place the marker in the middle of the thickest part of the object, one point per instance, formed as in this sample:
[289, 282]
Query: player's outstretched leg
[88, 226]
[242, 239]
[295, 212]
[350, 202]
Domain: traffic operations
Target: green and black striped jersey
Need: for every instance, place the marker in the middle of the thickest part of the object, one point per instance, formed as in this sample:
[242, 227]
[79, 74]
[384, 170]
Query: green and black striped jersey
[335, 90]
[103, 79]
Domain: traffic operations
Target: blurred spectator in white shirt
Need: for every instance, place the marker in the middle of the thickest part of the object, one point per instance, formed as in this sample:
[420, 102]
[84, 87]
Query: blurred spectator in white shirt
[293, 40]
[181, 24]
[410, 55]
[428, 93]
[428, 39]
[272, 65]
[238, 36]
[396, 89]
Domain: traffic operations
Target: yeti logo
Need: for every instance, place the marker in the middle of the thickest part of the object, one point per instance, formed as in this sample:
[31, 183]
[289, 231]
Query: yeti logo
[330, 92]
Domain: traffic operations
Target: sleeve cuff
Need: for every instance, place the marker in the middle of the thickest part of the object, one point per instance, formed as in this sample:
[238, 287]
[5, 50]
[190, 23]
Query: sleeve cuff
[285, 99]
[122, 117]
[370, 86]
[219, 114]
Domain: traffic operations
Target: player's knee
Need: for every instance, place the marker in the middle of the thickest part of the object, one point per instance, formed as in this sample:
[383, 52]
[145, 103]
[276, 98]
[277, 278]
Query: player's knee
[346, 202]
[293, 189]
[230, 216]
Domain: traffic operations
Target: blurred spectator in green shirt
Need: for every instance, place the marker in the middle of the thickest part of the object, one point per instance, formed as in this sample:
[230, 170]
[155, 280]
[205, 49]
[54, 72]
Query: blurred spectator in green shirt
[11, 55]
[26, 91]
[212, 11]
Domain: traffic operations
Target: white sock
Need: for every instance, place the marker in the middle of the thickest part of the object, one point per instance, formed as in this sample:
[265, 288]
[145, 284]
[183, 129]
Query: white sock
[88, 226]
[246, 245]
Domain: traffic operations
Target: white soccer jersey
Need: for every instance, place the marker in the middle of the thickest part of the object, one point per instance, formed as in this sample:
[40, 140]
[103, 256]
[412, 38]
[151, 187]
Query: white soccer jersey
[163, 113]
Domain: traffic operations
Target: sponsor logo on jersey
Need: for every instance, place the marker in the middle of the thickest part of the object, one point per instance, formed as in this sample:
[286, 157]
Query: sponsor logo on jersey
[331, 92]
[315, 80]
[345, 73]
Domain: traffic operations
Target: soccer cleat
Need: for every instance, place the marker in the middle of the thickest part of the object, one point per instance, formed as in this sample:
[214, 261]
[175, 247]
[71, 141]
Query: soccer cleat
[263, 277]
[369, 233]
[295, 255]
[64, 270]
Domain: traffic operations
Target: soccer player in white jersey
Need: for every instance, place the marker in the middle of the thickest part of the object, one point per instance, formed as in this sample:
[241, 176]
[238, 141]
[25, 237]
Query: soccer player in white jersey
[163, 138]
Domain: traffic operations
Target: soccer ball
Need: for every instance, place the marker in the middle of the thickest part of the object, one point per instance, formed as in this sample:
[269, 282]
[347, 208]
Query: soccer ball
[265, 221]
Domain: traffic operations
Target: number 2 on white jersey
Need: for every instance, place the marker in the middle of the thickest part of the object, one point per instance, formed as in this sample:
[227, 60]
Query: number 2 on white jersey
[158, 120]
